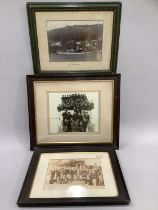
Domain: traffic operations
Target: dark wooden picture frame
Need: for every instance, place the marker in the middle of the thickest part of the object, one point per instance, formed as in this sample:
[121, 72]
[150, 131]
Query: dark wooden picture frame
[121, 199]
[33, 7]
[42, 78]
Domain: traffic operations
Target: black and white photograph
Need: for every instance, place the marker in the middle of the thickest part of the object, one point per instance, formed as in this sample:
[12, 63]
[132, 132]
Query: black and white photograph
[73, 112]
[70, 41]
[82, 172]
[76, 37]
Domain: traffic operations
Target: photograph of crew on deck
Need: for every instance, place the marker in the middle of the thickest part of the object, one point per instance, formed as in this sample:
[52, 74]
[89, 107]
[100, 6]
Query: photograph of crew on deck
[70, 41]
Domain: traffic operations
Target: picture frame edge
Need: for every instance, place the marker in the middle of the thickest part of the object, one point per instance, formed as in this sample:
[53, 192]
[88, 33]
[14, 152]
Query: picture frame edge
[122, 199]
[31, 106]
[33, 6]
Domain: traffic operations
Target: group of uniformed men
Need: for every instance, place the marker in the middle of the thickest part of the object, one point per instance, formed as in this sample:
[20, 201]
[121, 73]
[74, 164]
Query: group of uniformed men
[66, 175]
[76, 122]
[75, 102]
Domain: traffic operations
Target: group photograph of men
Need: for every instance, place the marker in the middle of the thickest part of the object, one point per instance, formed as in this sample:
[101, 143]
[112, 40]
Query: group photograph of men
[76, 172]
[75, 109]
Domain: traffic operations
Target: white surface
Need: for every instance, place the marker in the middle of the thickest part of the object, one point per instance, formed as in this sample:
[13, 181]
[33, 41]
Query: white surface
[138, 64]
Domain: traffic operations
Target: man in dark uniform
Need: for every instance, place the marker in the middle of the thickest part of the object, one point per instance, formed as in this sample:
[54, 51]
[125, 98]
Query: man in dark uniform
[85, 121]
[68, 122]
[65, 114]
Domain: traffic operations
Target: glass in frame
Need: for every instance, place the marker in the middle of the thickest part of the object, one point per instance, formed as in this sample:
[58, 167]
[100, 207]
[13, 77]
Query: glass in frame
[87, 175]
[72, 110]
[79, 37]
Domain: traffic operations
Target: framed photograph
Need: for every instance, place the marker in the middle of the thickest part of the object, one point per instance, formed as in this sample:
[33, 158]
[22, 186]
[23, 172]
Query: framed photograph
[74, 37]
[73, 110]
[74, 176]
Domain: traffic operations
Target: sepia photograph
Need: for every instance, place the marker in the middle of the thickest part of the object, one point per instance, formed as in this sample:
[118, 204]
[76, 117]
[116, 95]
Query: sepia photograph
[73, 112]
[66, 172]
[74, 175]
[75, 40]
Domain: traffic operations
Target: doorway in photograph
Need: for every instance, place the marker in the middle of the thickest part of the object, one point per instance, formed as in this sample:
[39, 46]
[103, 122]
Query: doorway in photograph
[73, 112]
[70, 41]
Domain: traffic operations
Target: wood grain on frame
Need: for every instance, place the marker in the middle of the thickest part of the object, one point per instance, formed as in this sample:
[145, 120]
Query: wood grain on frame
[31, 104]
[121, 199]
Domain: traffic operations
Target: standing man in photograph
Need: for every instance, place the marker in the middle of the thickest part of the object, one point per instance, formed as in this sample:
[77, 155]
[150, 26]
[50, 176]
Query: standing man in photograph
[85, 120]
